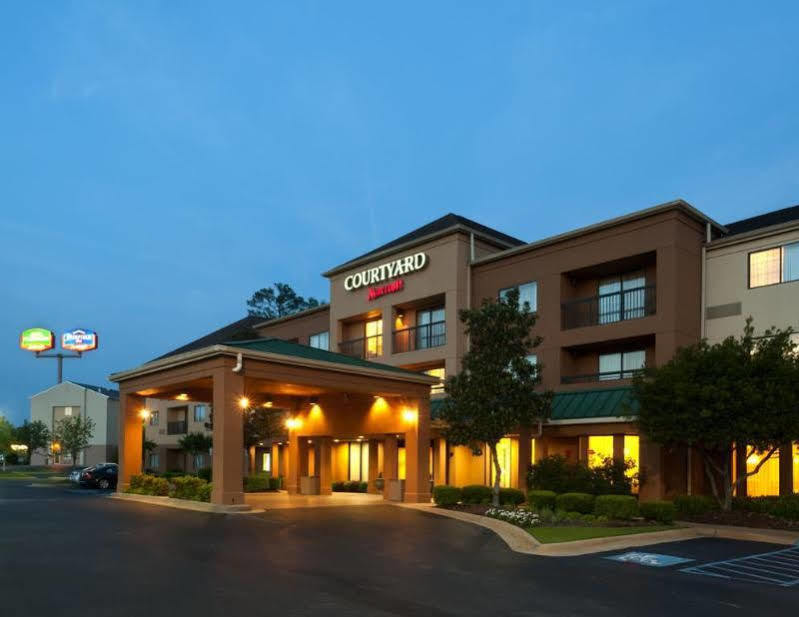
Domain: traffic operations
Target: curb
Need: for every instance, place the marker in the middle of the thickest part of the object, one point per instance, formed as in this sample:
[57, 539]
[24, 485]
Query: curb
[749, 534]
[185, 504]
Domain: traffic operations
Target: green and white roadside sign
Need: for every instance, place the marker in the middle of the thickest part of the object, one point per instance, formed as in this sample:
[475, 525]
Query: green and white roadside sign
[36, 339]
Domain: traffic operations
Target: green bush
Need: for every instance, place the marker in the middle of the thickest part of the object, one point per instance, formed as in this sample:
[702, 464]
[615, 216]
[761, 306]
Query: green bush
[660, 511]
[618, 507]
[476, 493]
[784, 506]
[575, 502]
[337, 487]
[175, 473]
[257, 483]
[693, 505]
[204, 473]
[146, 484]
[444, 495]
[349, 487]
[541, 499]
[275, 484]
[546, 515]
[588, 518]
[188, 487]
[510, 497]
[204, 492]
[573, 516]
[557, 473]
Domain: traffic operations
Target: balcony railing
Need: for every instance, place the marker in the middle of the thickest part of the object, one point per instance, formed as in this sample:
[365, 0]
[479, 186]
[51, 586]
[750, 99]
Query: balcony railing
[594, 377]
[366, 347]
[420, 337]
[609, 308]
[176, 428]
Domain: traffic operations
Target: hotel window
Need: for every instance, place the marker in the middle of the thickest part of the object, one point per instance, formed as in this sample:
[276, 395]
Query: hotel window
[600, 448]
[154, 418]
[767, 480]
[532, 359]
[200, 413]
[620, 365]
[776, 265]
[441, 374]
[632, 453]
[152, 461]
[430, 330]
[528, 294]
[266, 464]
[67, 411]
[374, 338]
[320, 341]
[622, 297]
[358, 461]
[199, 461]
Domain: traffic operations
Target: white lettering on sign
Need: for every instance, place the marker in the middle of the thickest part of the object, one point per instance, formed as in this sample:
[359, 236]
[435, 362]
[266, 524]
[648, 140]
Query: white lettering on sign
[399, 267]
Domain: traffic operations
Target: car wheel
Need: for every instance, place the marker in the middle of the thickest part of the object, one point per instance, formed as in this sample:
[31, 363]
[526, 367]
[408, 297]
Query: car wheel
[103, 483]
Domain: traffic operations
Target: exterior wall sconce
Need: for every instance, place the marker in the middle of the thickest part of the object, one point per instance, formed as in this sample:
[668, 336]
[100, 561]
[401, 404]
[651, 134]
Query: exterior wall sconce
[244, 402]
[409, 415]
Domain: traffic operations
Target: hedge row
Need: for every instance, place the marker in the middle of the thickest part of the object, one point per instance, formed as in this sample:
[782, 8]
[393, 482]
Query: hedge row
[444, 495]
[350, 487]
[259, 483]
[179, 487]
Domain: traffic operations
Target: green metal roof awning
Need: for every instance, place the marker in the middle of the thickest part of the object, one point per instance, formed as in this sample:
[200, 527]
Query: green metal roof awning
[599, 403]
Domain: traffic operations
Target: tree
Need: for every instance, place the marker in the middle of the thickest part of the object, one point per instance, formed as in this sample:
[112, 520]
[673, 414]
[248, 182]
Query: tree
[278, 301]
[194, 444]
[74, 434]
[261, 423]
[737, 396]
[495, 393]
[35, 435]
[6, 434]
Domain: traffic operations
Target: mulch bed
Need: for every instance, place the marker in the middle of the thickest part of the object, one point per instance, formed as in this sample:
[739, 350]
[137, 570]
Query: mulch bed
[745, 519]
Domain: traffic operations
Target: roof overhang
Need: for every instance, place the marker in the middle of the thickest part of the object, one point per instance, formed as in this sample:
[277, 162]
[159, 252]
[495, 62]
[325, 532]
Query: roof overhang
[755, 234]
[224, 350]
[297, 315]
[600, 420]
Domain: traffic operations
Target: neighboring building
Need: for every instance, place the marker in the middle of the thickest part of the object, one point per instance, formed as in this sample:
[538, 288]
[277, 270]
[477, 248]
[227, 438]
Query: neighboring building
[75, 399]
[754, 271]
[610, 299]
[168, 422]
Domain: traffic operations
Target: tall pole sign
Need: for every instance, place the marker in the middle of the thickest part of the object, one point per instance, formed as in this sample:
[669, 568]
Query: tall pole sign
[39, 340]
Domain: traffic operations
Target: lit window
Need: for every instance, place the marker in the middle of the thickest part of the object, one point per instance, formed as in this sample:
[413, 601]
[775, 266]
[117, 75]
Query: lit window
[764, 267]
[600, 447]
[200, 413]
[532, 359]
[320, 340]
[528, 294]
[766, 481]
[504, 449]
[266, 465]
[67, 411]
[430, 330]
[374, 338]
[620, 365]
[401, 463]
[631, 453]
[441, 374]
[153, 418]
[796, 467]
[532, 451]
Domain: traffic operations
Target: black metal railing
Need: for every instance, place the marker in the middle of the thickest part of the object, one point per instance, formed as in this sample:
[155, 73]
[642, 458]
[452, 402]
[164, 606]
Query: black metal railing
[176, 428]
[594, 377]
[420, 337]
[366, 347]
[609, 308]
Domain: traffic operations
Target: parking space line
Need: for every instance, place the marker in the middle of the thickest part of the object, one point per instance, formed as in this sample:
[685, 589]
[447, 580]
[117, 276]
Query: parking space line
[776, 567]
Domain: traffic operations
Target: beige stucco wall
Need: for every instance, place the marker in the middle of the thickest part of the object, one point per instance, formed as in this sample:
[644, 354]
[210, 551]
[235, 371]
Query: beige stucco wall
[727, 283]
[103, 410]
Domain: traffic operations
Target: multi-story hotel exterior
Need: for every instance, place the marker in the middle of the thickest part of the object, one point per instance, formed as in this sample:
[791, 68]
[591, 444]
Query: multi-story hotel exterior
[610, 298]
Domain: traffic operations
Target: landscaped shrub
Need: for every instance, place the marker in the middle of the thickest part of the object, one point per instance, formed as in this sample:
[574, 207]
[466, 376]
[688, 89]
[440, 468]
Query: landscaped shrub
[188, 487]
[511, 497]
[522, 518]
[444, 495]
[610, 478]
[146, 484]
[541, 499]
[275, 484]
[476, 493]
[660, 511]
[204, 492]
[349, 487]
[619, 507]
[575, 502]
[204, 473]
[784, 506]
[693, 505]
[337, 487]
[256, 483]
[557, 473]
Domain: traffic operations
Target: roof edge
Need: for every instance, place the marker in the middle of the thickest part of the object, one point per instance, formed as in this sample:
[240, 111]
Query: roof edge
[754, 234]
[297, 315]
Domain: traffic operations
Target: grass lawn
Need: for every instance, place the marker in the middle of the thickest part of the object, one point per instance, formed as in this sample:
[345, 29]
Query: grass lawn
[547, 535]
[29, 475]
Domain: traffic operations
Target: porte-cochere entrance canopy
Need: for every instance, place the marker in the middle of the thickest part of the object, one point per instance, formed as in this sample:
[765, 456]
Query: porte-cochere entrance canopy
[327, 396]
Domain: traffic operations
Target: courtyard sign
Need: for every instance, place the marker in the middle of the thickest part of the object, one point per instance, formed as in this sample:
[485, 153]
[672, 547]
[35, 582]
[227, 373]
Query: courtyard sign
[389, 270]
[79, 340]
[36, 339]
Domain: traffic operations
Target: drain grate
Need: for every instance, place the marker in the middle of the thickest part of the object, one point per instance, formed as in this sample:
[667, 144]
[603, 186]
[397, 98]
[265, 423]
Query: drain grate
[774, 568]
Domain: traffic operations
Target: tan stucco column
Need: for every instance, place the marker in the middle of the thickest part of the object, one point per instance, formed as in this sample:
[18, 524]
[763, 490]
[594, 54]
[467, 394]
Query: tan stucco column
[650, 464]
[130, 437]
[417, 455]
[324, 465]
[582, 448]
[275, 463]
[618, 447]
[373, 466]
[251, 460]
[440, 461]
[292, 482]
[786, 469]
[228, 468]
[390, 462]
[525, 458]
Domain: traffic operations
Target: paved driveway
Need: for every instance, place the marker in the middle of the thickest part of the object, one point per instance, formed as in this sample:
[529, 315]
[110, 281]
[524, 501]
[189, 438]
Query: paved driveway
[68, 554]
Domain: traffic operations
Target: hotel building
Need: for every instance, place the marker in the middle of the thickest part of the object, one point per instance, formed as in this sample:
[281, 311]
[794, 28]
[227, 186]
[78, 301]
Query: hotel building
[360, 378]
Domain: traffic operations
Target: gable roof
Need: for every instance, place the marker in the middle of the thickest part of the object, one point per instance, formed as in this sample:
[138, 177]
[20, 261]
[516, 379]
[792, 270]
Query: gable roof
[109, 392]
[769, 219]
[448, 222]
[217, 337]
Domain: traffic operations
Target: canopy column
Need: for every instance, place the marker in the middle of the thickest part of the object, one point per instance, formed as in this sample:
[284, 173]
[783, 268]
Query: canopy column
[130, 437]
[417, 455]
[228, 460]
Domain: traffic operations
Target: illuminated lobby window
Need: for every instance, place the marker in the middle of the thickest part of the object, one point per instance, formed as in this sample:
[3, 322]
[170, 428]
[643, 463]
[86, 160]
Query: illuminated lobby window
[374, 338]
[532, 451]
[631, 452]
[504, 456]
[767, 480]
[441, 374]
[600, 447]
[796, 468]
[358, 461]
[267, 462]
[401, 463]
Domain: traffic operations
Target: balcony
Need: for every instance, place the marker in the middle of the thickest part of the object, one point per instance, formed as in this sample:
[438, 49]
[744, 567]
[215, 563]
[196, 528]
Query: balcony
[420, 337]
[609, 308]
[176, 428]
[366, 347]
[596, 377]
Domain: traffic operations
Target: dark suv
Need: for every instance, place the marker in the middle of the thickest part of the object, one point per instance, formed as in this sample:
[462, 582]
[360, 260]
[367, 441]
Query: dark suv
[102, 476]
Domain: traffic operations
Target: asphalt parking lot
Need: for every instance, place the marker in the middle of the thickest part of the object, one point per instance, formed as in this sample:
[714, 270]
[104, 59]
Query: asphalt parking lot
[69, 553]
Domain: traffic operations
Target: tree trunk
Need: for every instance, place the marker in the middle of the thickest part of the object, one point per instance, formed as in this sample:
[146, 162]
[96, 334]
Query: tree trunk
[497, 474]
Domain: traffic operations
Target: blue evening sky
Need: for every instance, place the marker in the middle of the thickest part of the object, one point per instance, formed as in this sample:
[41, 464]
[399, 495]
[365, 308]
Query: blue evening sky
[162, 160]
